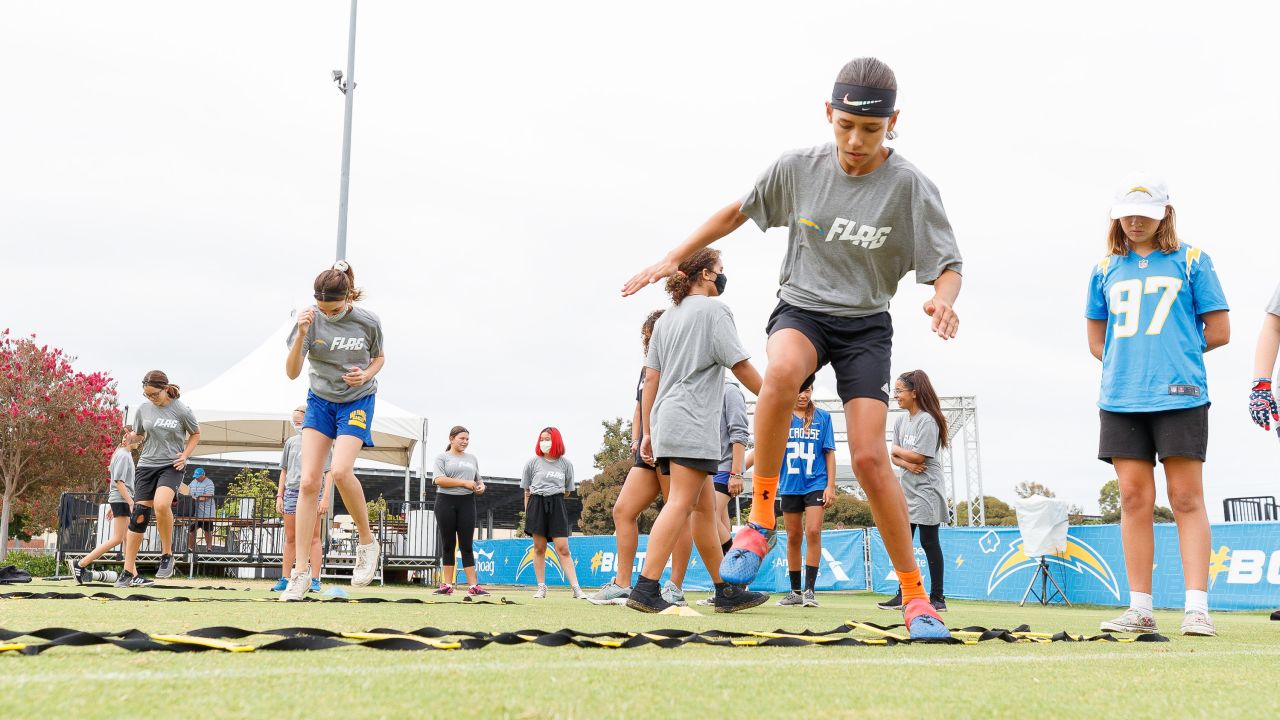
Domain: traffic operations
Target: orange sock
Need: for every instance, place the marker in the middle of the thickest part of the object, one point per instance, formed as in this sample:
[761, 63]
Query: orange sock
[764, 489]
[912, 586]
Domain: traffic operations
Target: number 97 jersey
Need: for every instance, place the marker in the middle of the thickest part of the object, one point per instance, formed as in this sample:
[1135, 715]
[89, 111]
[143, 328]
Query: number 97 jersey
[1153, 358]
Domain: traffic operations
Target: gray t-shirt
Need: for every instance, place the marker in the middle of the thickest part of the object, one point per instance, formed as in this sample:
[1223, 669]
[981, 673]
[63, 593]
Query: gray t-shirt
[926, 504]
[458, 467]
[331, 346]
[547, 477]
[201, 488]
[851, 238]
[121, 472]
[1273, 307]
[291, 463]
[692, 344]
[733, 424]
[165, 430]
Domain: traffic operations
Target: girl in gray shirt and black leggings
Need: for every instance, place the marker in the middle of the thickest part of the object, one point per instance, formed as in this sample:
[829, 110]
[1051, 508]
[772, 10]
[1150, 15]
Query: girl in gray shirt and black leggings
[458, 482]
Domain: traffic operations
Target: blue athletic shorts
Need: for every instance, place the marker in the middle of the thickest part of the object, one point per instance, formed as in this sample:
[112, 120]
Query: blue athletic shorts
[333, 419]
[290, 506]
[721, 482]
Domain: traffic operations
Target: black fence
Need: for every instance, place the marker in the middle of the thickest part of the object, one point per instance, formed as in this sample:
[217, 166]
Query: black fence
[1250, 509]
[245, 537]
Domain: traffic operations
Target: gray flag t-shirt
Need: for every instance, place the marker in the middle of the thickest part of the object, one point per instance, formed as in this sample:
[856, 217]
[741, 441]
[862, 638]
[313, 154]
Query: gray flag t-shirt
[547, 477]
[851, 238]
[458, 467]
[291, 463]
[926, 505]
[1273, 307]
[733, 424]
[332, 346]
[692, 344]
[121, 470]
[165, 430]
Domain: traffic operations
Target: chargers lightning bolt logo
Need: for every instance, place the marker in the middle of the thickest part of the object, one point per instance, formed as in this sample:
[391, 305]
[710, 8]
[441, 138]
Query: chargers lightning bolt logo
[1078, 557]
[553, 561]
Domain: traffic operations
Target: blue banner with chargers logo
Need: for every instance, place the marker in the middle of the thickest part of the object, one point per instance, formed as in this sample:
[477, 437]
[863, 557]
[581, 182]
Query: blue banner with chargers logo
[988, 564]
[595, 558]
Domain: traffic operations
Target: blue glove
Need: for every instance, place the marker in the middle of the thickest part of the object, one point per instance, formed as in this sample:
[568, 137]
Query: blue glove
[1262, 404]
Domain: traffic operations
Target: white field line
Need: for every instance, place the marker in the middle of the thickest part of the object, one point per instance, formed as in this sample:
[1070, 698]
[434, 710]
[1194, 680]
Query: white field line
[625, 660]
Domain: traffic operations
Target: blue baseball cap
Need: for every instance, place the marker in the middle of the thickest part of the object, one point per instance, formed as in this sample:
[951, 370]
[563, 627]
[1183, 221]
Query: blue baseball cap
[198, 473]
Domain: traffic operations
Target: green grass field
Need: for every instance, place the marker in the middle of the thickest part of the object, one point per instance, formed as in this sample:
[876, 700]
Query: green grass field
[1226, 676]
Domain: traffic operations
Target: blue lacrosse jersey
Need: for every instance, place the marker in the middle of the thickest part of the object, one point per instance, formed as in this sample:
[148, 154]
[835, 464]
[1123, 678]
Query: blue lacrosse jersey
[1153, 359]
[805, 468]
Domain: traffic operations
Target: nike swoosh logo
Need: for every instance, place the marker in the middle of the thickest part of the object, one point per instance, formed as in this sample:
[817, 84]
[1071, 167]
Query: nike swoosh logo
[858, 103]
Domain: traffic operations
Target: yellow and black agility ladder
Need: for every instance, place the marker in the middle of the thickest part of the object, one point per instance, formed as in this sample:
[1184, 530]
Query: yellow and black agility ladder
[227, 639]
[138, 597]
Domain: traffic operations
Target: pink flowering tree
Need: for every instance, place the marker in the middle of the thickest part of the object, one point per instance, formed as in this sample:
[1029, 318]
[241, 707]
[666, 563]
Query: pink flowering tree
[58, 428]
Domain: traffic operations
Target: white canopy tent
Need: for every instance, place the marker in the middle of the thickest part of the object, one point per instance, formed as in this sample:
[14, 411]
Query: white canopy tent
[248, 408]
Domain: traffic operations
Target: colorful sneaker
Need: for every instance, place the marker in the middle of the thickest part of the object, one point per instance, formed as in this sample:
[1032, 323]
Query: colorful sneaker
[578, 594]
[77, 572]
[125, 578]
[444, 589]
[673, 594]
[732, 598]
[894, 603]
[646, 602]
[165, 571]
[1198, 623]
[611, 593]
[922, 621]
[540, 593]
[1131, 620]
[366, 564]
[809, 599]
[742, 563]
[315, 585]
[939, 605]
[298, 583]
[477, 591]
[280, 585]
[792, 599]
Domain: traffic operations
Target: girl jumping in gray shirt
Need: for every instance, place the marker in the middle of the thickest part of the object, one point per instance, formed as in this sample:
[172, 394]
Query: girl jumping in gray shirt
[692, 344]
[343, 344]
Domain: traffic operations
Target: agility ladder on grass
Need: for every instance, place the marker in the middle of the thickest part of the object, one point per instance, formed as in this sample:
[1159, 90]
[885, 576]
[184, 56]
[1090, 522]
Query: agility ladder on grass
[225, 638]
[108, 597]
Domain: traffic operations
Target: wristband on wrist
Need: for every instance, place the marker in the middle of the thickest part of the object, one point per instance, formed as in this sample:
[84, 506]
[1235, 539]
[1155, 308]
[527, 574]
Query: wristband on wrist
[1262, 383]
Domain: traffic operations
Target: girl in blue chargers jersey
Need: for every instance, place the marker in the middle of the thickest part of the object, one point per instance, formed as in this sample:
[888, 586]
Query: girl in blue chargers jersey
[1155, 306]
[806, 489]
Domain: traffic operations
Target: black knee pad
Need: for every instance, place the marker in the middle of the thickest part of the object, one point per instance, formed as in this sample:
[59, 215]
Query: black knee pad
[139, 518]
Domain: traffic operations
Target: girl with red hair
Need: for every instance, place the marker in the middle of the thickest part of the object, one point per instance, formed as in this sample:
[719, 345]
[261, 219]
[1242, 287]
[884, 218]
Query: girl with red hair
[547, 480]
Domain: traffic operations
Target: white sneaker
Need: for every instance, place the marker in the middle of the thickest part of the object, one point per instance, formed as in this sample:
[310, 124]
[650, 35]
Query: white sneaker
[1132, 620]
[366, 564]
[578, 594]
[540, 593]
[299, 583]
[1195, 622]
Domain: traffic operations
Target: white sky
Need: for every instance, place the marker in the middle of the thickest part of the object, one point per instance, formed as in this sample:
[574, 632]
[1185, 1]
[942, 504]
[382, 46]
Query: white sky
[170, 177]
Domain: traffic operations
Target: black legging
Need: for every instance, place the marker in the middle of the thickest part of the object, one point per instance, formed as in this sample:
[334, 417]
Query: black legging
[456, 517]
[933, 553]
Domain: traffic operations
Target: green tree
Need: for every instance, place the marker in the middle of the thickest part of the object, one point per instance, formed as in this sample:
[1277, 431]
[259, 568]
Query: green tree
[1109, 505]
[848, 511]
[1027, 488]
[256, 484]
[998, 512]
[600, 493]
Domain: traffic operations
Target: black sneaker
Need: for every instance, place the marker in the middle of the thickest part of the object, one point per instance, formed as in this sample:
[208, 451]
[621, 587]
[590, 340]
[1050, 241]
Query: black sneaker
[138, 581]
[648, 600]
[732, 598]
[895, 603]
[77, 572]
[125, 578]
[939, 605]
[165, 571]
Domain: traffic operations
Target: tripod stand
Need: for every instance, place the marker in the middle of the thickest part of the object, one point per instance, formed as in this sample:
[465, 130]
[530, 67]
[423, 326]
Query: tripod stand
[1045, 596]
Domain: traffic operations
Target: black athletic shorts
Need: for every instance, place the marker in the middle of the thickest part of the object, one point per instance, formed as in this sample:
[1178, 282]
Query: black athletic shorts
[858, 348]
[637, 461]
[120, 509]
[546, 515]
[797, 503]
[1148, 435]
[206, 525]
[701, 464]
[148, 479]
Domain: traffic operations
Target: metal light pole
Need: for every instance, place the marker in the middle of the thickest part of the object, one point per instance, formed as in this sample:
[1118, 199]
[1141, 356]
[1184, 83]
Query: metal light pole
[348, 86]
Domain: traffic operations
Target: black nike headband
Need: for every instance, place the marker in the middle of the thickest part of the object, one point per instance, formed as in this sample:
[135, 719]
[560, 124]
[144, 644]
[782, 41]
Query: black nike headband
[861, 100]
